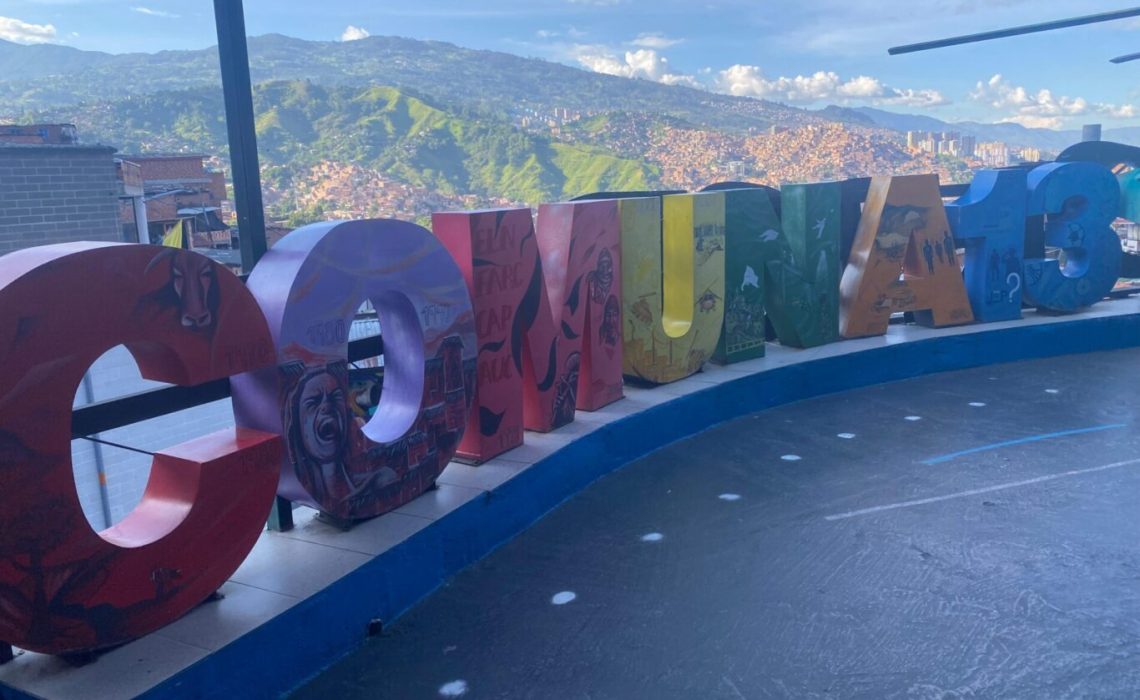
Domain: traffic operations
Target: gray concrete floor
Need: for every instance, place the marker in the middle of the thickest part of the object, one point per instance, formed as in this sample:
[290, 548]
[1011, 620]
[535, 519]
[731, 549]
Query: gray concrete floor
[879, 563]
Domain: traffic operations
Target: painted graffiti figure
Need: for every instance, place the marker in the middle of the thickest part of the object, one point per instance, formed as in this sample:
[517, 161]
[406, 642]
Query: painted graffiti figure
[611, 321]
[566, 392]
[317, 430]
[928, 254]
[706, 303]
[601, 280]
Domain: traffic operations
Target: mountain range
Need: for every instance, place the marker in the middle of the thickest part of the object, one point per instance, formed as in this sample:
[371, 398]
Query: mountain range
[50, 75]
[35, 77]
[394, 126]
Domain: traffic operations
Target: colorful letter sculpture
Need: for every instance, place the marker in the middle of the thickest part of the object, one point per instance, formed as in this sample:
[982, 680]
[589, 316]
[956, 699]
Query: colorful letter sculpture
[548, 315]
[186, 320]
[1130, 194]
[673, 283]
[310, 286]
[580, 244]
[903, 231]
[990, 221]
[742, 334]
[1080, 201]
[802, 280]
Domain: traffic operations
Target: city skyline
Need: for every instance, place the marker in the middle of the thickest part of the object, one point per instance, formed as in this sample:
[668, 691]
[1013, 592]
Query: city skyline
[808, 53]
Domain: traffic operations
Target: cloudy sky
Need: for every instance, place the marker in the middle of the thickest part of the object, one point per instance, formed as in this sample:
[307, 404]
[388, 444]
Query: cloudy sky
[804, 52]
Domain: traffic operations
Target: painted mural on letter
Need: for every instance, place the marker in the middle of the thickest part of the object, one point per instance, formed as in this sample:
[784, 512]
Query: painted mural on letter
[903, 259]
[339, 461]
[186, 320]
[547, 340]
[673, 286]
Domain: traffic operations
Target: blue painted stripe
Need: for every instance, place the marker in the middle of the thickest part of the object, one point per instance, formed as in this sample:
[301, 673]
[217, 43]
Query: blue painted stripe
[1020, 441]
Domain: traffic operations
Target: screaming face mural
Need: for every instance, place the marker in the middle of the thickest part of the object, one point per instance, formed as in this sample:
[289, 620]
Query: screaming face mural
[310, 286]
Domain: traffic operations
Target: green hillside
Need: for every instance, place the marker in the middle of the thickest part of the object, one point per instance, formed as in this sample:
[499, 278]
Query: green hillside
[492, 82]
[410, 139]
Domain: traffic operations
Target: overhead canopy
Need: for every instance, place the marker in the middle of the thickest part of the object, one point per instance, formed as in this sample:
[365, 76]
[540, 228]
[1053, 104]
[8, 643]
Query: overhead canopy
[205, 218]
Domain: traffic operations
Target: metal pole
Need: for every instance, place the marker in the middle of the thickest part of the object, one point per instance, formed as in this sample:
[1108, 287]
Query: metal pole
[234, 59]
[1125, 58]
[1016, 31]
[100, 466]
[233, 55]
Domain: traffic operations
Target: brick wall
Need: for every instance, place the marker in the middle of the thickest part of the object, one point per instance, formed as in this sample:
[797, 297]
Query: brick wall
[169, 167]
[53, 194]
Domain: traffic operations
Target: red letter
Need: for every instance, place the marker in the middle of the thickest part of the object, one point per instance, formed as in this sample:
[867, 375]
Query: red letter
[548, 315]
[186, 320]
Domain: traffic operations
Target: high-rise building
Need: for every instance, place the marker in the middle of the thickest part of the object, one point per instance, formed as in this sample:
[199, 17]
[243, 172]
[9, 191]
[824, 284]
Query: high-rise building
[994, 154]
[967, 147]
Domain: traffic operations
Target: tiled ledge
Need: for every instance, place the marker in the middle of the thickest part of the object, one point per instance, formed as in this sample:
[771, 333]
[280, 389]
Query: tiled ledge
[304, 598]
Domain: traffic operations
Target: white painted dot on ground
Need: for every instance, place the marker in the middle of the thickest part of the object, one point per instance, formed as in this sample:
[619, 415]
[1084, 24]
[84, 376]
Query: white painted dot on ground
[729, 497]
[913, 418]
[453, 689]
[790, 458]
[1052, 391]
[845, 436]
[563, 598]
[977, 404]
[652, 537]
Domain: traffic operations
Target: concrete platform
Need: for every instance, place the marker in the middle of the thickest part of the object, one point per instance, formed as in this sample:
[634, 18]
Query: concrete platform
[304, 599]
[966, 534]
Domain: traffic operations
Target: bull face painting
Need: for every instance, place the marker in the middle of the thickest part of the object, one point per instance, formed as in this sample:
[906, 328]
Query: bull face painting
[194, 282]
[190, 293]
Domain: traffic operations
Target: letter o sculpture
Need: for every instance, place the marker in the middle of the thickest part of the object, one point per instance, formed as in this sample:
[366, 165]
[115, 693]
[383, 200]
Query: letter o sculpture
[310, 285]
[186, 320]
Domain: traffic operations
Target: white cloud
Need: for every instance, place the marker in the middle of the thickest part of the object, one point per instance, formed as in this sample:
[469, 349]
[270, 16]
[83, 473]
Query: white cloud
[1041, 108]
[1116, 111]
[821, 86]
[655, 41]
[12, 29]
[353, 33]
[568, 31]
[642, 63]
[155, 13]
[1031, 122]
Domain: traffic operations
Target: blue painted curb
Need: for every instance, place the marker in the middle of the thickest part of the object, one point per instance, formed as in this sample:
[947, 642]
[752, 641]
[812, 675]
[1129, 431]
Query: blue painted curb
[304, 640]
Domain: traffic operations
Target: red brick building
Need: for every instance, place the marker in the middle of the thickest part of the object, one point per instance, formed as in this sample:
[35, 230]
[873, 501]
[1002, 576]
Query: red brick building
[178, 187]
[52, 134]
